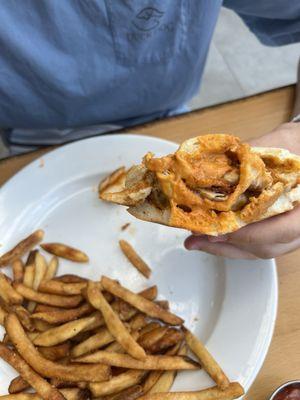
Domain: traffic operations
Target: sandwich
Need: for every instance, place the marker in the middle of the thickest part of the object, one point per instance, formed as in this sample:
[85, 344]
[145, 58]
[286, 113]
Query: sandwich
[213, 184]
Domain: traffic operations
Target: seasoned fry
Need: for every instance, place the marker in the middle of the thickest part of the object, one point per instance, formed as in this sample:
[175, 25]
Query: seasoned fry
[147, 339]
[169, 339]
[31, 258]
[18, 270]
[111, 179]
[21, 248]
[113, 322]
[139, 302]
[233, 391]
[206, 359]
[134, 258]
[117, 383]
[56, 287]
[63, 315]
[115, 347]
[132, 393]
[65, 251]
[66, 393]
[46, 308]
[163, 304]
[150, 327]
[96, 341]
[52, 269]
[162, 362]
[63, 332]
[24, 317]
[164, 382]
[42, 387]
[70, 278]
[138, 322]
[41, 326]
[39, 272]
[3, 314]
[103, 338]
[52, 300]
[127, 311]
[18, 384]
[153, 376]
[8, 293]
[28, 276]
[47, 368]
[57, 352]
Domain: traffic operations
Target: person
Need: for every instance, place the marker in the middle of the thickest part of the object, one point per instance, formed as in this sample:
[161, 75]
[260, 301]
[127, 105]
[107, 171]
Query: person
[74, 68]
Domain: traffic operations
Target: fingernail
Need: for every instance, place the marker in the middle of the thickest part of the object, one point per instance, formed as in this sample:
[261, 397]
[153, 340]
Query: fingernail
[220, 238]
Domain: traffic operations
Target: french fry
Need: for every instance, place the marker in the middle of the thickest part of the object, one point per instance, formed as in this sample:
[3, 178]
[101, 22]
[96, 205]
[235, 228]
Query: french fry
[52, 269]
[18, 384]
[115, 347]
[131, 393]
[113, 322]
[61, 333]
[65, 251]
[47, 368]
[58, 383]
[134, 258]
[150, 327]
[8, 293]
[3, 314]
[117, 383]
[70, 278]
[163, 304]
[127, 311]
[138, 322]
[42, 387]
[18, 270]
[146, 340]
[41, 326]
[24, 317]
[57, 352]
[31, 258]
[39, 272]
[169, 339]
[103, 338]
[21, 248]
[233, 391]
[57, 287]
[206, 359]
[52, 300]
[153, 376]
[63, 315]
[96, 341]
[28, 276]
[164, 382]
[139, 302]
[161, 362]
[66, 393]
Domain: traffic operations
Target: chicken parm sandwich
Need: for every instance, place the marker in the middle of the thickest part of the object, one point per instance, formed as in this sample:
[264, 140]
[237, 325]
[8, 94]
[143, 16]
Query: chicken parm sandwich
[213, 184]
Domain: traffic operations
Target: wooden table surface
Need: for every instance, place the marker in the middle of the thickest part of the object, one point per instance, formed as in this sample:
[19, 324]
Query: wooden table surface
[246, 118]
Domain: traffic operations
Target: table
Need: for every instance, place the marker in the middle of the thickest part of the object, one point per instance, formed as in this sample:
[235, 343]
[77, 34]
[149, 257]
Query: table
[246, 118]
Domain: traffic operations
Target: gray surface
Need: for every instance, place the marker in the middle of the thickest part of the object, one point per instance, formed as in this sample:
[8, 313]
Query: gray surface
[239, 65]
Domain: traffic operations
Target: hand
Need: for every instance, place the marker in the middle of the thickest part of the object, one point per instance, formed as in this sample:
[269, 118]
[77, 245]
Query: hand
[265, 239]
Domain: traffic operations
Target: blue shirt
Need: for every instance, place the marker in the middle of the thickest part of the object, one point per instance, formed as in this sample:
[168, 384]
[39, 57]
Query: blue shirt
[74, 63]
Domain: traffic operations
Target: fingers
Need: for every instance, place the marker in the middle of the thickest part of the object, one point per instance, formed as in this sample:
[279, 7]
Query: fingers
[283, 228]
[270, 250]
[219, 249]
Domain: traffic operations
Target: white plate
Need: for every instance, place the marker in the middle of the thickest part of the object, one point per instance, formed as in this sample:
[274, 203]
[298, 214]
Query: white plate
[231, 305]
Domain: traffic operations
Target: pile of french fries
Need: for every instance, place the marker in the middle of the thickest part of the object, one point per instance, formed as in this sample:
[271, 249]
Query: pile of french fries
[70, 338]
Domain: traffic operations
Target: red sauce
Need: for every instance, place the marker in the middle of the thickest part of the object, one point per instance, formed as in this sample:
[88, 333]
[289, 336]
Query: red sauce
[291, 392]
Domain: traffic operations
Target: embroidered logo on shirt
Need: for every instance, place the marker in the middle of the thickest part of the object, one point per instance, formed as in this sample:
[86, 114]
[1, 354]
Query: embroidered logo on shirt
[148, 19]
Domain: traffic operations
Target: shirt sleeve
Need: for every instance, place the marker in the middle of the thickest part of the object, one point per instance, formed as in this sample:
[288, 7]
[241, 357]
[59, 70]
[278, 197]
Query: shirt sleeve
[274, 22]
